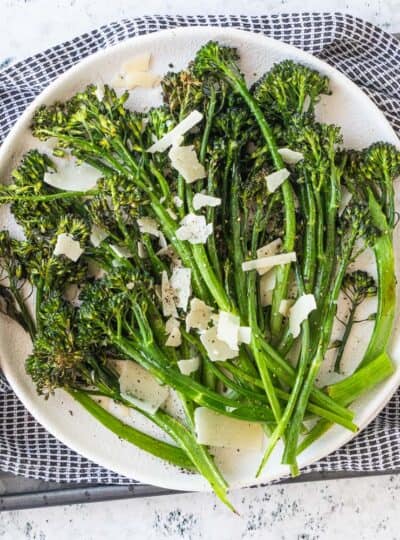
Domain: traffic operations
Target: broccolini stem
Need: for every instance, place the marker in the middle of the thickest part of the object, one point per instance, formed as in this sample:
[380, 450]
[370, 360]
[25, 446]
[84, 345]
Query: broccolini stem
[160, 449]
[289, 455]
[385, 262]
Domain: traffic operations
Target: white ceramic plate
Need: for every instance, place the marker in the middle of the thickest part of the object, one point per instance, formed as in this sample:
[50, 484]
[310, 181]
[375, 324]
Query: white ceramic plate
[361, 122]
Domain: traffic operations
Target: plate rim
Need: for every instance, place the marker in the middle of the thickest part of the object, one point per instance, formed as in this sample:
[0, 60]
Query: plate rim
[378, 402]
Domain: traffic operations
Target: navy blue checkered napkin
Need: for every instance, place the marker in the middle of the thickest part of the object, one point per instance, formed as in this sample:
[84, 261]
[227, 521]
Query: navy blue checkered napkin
[366, 54]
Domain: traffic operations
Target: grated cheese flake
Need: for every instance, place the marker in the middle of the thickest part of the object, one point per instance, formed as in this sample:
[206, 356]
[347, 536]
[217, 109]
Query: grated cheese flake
[184, 160]
[285, 305]
[180, 282]
[217, 350]
[214, 429]
[291, 157]
[167, 297]
[97, 235]
[276, 179]
[267, 285]
[179, 130]
[269, 262]
[299, 312]
[194, 229]
[199, 315]
[73, 177]
[201, 200]
[245, 335]
[139, 387]
[228, 329]
[172, 328]
[186, 367]
[66, 245]
[273, 248]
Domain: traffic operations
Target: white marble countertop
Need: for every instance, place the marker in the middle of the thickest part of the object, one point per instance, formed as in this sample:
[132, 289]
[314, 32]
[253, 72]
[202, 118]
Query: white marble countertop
[364, 508]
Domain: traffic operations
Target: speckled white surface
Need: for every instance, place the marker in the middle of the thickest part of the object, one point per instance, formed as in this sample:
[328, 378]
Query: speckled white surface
[363, 508]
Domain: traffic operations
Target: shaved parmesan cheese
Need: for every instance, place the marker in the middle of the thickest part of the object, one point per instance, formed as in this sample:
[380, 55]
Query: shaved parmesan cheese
[199, 315]
[95, 270]
[162, 241]
[245, 334]
[97, 235]
[276, 179]
[344, 201]
[71, 294]
[179, 130]
[267, 285]
[306, 104]
[134, 79]
[273, 248]
[217, 349]
[291, 157]
[66, 245]
[73, 177]
[184, 160]
[269, 262]
[177, 201]
[213, 429]
[228, 329]
[200, 200]
[300, 311]
[186, 367]
[140, 62]
[141, 250]
[194, 229]
[139, 387]
[121, 251]
[167, 297]
[284, 307]
[180, 282]
[148, 225]
[174, 333]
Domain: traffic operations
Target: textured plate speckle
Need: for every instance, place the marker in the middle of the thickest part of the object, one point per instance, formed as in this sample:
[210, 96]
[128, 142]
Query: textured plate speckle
[361, 122]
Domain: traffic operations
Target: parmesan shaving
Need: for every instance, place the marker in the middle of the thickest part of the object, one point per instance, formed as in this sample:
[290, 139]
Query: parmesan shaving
[244, 335]
[66, 245]
[228, 329]
[273, 248]
[200, 200]
[284, 307]
[184, 160]
[139, 387]
[276, 179]
[217, 350]
[73, 177]
[199, 315]
[344, 201]
[300, 311]
[180, 282]
[267, 285]
[177, 201]
[167, 297]
[140, 62]
[186, 367]
[174, 333]
[269, 262]
[178, 131]
[142, 253]
[148, 225]
[97, 235]
[134, 79]
[194, 229]
[291, 157]
[213, 429]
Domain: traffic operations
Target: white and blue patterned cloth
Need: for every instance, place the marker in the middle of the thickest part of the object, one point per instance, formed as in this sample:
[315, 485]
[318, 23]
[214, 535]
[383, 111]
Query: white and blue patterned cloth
[366, 54]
